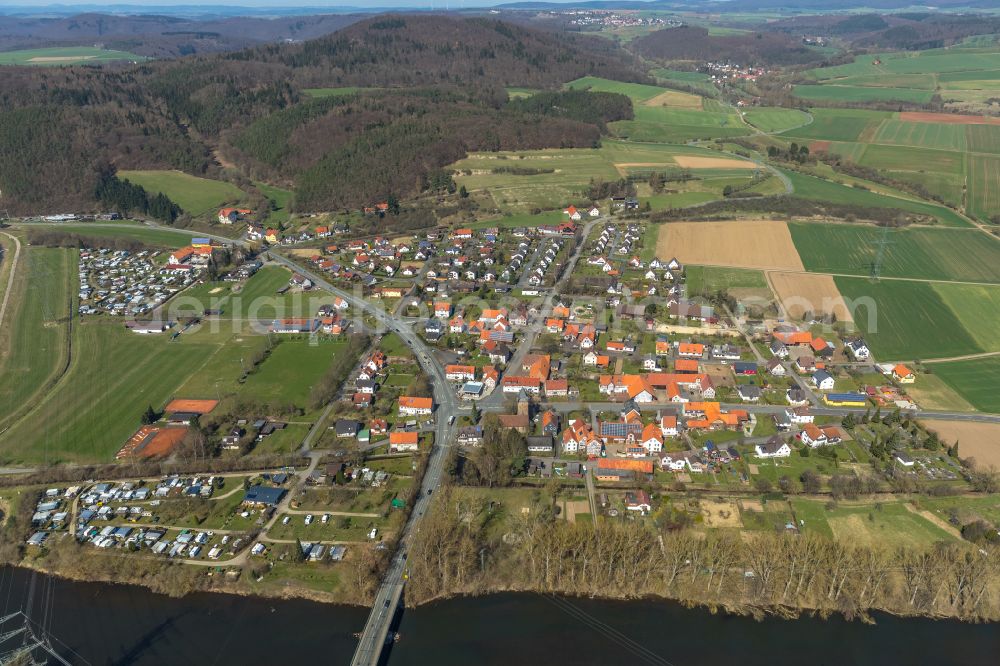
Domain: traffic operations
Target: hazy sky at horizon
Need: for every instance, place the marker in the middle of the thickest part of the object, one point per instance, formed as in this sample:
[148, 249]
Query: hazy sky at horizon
[363, 4]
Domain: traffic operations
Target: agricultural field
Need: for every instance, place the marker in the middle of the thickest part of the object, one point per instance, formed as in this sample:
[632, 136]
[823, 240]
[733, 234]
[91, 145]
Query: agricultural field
[637, 92]
[926, 135]
[745, 244]
[197, 196]
[550, 179]
[804, 293]
[984, 186]
[841, 93]
[34, 339]
[977, 440]
[904, 320]
[977, 380]
[932, 392]
[839, 124]
[977, 308]
[113, 376]
[66, 55]
[920, 253]
[776, 119]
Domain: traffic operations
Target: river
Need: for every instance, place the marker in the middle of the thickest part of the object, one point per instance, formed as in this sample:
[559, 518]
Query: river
[118, 624]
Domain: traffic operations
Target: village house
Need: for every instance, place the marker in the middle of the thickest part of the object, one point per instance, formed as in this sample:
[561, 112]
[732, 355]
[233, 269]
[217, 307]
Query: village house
[404, 441]
[410, 406]
[775, 447]
[903, 375]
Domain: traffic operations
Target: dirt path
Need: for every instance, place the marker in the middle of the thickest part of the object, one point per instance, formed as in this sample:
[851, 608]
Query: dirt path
[10, 278]
[967, 357]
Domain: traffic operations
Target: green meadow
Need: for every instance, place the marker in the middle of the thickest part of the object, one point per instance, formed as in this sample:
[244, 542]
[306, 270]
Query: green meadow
[197, 196]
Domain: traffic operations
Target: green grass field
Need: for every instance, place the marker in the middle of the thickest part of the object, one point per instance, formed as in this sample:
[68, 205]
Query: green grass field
[33, 340]
[922, 253]
[905, 320]
[983, 138]
[290, 371]
[702, 279]
[113, 376]
[256, 301]
[839, 124]
[976, 380]
[839, 93]
[165, 238]
[819, 189]
[977, 308]
[888, 524]
[638, 92]
[281, 198]
[197, 196]
[776, 119]
[65, 55]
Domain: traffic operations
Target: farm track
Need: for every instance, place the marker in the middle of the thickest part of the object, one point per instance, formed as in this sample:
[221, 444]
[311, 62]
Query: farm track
[56, 379]
[10, 278]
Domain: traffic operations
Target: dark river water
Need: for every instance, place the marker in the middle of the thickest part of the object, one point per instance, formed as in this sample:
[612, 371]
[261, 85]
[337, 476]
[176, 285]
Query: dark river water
[106, 624]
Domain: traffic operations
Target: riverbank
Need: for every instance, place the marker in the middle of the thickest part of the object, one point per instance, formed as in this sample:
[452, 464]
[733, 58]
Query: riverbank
[119, 624]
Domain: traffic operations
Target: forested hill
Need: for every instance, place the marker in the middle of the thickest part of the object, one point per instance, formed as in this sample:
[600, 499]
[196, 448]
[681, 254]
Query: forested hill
[434, 90]
[396, 50]
[695, 43]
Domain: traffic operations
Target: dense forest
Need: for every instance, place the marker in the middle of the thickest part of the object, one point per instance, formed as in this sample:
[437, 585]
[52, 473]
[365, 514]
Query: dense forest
[433, 89]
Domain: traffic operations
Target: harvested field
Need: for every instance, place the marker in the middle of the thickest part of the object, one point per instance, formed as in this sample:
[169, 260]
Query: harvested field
[697, 162]
[819, 147]
[947, 118]
[803, 292]
[675, 99]
[760, 244]
[720, 513]
[975, 440]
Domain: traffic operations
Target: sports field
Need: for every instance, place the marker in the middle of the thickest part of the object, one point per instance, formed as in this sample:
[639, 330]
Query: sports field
[34, 339]
[904, 320]
[924, 253]
[196, 196]
[257, 300]
[65, 55]
[745, 244]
